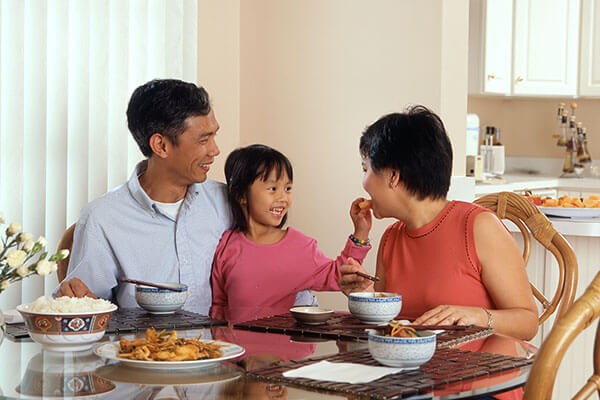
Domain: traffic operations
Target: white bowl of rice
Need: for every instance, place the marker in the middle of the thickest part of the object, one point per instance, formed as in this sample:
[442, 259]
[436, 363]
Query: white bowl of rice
[66, 323]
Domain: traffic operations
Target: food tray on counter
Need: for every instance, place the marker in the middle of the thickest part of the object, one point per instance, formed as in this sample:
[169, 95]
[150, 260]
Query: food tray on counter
[447, 366]
[344, 326]
[128, 320]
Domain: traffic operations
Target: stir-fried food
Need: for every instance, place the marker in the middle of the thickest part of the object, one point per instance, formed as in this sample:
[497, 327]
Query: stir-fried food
[165, 346]
[398, 330]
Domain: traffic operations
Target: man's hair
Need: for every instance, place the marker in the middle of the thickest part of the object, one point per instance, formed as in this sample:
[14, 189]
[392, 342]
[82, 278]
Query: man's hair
[162, 106]
[243, 167]
[416, 146]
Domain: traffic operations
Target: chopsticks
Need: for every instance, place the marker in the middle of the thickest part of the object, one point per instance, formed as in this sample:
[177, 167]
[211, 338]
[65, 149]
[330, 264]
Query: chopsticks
[373, 278]
[155, 285]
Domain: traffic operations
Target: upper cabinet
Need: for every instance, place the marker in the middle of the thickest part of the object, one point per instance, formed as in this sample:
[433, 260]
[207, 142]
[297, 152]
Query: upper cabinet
[490, 46]
[538, 43]
[589, 79]
[546, 47]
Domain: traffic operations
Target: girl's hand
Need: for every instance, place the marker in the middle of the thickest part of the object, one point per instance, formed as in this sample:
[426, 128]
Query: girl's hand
[453, 315]
[361, 218]
[350, 282]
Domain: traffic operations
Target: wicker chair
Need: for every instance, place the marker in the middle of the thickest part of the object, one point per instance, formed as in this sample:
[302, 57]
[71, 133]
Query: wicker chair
[528, 218]
[579, 316]
[66, 242]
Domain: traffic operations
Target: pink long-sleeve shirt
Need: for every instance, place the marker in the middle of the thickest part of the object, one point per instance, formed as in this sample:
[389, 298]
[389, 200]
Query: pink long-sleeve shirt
[252, 280]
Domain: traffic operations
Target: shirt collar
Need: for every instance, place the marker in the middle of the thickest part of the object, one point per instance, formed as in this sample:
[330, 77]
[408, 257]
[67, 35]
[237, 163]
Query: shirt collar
[142, 197]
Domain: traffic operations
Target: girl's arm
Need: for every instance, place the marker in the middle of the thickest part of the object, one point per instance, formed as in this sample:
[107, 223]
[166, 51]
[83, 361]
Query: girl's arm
[504, 276]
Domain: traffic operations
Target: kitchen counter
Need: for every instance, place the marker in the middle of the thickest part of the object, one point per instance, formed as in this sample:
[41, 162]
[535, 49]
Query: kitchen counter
[468, 189]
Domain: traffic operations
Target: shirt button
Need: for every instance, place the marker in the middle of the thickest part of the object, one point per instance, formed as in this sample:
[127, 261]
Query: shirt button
[184, 260]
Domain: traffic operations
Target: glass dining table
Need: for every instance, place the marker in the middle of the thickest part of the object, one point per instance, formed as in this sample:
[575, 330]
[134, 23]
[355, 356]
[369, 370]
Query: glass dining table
[28, 371]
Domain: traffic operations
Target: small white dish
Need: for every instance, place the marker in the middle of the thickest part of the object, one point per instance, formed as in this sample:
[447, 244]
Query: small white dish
[570, 212]
[110, 351]
[161, 301]
[375, 308]
[311, 315]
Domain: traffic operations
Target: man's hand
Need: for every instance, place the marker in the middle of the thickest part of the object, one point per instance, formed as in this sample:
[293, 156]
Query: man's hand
[350, 282]
[74, 288]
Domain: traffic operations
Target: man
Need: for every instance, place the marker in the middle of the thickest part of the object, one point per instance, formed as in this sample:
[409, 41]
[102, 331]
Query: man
[164, 224]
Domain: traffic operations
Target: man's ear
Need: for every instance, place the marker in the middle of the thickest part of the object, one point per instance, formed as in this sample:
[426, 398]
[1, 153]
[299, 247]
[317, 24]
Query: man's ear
[158, 144]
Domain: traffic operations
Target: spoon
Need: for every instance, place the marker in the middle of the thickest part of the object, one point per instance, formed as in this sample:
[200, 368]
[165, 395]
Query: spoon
[155, 285]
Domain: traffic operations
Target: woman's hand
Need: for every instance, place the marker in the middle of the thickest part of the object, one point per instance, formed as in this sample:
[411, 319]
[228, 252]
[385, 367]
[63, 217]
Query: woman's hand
[454, 315]
[361, 218]
[350, 282]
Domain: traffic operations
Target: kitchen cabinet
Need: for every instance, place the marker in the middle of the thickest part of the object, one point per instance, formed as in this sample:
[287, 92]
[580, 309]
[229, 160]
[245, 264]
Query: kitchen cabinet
[524, 47]
[589, 81]
[490, 46]
[546, 47]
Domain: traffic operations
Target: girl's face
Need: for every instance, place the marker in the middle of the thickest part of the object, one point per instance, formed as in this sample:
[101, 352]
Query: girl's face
[377, 184]
[269, 200]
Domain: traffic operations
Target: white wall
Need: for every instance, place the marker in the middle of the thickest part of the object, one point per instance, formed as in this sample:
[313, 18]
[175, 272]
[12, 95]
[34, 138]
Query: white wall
[313, 74]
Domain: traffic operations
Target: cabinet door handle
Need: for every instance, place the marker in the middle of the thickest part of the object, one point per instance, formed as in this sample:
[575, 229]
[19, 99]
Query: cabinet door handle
[519, 79]
[491, 76]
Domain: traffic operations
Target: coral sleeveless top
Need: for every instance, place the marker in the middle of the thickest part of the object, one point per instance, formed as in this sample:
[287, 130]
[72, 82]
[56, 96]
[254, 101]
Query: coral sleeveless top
[437, 263]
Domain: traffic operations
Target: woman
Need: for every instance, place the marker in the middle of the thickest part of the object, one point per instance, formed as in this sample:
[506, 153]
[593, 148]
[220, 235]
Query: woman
[453, 262]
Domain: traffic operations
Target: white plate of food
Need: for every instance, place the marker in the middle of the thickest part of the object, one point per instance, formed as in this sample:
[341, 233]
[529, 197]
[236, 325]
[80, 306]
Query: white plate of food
[111, 351]
[570, 212]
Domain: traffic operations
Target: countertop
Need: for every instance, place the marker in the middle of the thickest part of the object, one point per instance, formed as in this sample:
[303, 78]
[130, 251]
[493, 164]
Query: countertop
[520, 182]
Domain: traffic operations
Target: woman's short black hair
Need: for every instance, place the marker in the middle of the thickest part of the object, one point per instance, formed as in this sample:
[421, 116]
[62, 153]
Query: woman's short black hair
[162, 106]
[416, 146]
[244, 166]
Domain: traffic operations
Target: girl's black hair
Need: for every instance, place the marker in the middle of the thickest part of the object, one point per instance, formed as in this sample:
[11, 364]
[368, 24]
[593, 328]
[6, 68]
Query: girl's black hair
[244, 166]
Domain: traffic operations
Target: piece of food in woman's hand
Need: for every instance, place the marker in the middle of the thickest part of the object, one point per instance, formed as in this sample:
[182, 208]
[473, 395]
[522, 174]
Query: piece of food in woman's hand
[365, 204]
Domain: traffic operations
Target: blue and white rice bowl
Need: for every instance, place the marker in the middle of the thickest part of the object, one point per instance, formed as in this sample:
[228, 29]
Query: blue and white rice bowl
[402, 352]
[375, 307]
[161, 301]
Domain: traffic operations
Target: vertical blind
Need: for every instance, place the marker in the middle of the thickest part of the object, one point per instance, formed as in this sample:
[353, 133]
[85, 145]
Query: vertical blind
[67, 69]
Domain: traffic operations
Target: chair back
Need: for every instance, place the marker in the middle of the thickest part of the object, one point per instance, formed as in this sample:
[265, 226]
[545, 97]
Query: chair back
[66, 242]
[579, 316]
[531, 221]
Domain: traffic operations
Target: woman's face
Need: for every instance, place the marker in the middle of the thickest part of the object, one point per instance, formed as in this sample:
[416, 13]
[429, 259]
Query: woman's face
[378, 185]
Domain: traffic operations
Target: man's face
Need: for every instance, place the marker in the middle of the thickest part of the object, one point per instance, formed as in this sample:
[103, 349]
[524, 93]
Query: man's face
[189, 160]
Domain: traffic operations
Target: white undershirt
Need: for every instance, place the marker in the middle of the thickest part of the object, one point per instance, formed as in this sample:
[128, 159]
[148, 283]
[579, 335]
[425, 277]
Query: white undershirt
[171, 209]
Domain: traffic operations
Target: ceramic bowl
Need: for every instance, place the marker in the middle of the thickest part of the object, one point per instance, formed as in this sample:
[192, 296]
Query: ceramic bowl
[374, 307]
[311, 315]
[161, 301]
[65, 331]
[402, 352]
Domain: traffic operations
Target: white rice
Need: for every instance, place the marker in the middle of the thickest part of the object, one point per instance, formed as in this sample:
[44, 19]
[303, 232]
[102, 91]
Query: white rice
[69, 305]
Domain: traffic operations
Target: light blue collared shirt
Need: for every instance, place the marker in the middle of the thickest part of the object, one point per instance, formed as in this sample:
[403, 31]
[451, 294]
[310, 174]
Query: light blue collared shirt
[124, 233]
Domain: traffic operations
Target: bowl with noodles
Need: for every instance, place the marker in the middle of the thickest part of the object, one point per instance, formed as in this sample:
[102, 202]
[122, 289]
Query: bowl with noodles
[66, 323]
[403, 347]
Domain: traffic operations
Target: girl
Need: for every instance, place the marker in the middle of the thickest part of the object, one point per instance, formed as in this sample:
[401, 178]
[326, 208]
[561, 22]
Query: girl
[259, 266]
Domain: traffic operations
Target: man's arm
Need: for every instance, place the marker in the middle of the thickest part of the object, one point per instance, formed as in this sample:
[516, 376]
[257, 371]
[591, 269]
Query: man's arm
[93, 268]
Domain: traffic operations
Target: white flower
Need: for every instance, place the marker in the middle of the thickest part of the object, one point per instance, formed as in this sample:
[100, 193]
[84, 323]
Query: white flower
[2, 220]
[4, 285]
[64, 253]
[23, 271]
[53, 267]
[28, 245]
[15, 258]
[44, 267]
[14, 228]
[25, 236]
[42, 240]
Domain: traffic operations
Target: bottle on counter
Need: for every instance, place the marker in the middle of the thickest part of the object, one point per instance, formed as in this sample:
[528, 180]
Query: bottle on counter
[571, 150]
[561, 133]
[583, 154]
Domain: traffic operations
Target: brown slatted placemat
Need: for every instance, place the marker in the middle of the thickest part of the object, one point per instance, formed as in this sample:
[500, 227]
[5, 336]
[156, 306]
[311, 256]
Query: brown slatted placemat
[128, 320]
[447, 366]
[344, 326]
